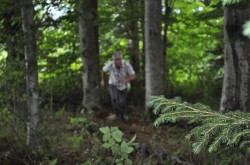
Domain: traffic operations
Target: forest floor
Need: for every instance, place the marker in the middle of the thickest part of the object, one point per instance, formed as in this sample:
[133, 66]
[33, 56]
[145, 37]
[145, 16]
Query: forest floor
[161, 145]
[74, 138]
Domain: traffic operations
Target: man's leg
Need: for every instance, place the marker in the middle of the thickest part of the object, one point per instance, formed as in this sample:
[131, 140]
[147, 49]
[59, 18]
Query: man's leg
[122, 103]
[114, 98]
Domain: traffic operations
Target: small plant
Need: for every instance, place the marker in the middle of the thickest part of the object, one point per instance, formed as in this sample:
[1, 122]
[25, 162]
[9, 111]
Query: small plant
[77, 122]
[113, 140]
[75, 140]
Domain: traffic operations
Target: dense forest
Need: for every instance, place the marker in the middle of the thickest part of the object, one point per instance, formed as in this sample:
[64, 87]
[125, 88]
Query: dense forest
[121, 82]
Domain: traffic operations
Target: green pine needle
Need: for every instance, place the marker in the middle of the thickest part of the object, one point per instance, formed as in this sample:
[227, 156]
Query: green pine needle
[214, 128]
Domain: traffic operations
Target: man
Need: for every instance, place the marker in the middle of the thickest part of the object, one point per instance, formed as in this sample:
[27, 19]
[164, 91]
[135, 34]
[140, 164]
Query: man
[121, 73]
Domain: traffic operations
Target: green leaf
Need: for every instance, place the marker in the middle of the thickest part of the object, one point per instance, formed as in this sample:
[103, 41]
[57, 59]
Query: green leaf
[128, 162]
[106, 137]
[124, 155]
[115, 149]
[106, 145]
[124, 147]
[117, 136]
[53, 162]
[117, 160]
[130, 150]
[111, 142]
[105, 130]
[132, 140]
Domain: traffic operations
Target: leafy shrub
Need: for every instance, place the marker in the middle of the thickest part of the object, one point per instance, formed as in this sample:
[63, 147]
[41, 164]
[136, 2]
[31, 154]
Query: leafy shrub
[120, 149]
[5, 116]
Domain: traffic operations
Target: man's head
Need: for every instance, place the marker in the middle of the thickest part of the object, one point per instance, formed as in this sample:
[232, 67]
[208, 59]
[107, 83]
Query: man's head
[117, 57]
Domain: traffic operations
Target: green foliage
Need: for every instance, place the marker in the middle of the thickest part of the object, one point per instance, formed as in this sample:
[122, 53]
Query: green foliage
[53, 162]
[113, 140]
[228, 2]
[75, 140]
[246, 31]
[195, 50]
[215, 129]
[79, 121]
[5, 116]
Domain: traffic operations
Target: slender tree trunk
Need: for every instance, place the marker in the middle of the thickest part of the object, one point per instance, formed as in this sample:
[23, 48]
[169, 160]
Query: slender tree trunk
[143, 41]
[236, 84]
[155, 59]
[31, 68]
[165, 41]
[133, 31]
[89, 51]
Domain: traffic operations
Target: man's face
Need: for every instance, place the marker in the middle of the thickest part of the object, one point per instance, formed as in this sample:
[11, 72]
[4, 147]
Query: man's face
[118, 62]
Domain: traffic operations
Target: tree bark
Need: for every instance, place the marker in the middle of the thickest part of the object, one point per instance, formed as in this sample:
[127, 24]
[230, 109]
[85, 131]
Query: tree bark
[165, 40]
[236, 83]
[89, 51]
[133, 30]
[30, 48]
[155, 59]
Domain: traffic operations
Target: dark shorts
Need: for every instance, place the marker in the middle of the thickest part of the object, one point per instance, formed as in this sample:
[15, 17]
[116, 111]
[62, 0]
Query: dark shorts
[119, 100]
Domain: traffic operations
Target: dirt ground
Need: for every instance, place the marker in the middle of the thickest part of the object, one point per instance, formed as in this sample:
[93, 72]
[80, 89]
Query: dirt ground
[168, 139]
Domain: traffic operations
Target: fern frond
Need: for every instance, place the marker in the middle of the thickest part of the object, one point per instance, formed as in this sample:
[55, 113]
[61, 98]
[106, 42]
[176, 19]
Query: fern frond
[214, 128]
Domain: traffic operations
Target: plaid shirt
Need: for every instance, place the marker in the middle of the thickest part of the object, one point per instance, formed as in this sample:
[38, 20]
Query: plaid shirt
[116, 75]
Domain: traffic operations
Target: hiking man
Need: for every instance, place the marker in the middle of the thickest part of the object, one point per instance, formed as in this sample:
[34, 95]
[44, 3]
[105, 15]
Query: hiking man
[121, 73]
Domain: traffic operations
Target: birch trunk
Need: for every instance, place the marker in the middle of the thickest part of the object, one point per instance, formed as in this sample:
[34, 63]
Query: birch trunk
[155, 59]
[236, 83]
[30, 48]
[89, 51]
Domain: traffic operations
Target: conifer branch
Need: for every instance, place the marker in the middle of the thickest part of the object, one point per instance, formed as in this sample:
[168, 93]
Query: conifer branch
[214, 128]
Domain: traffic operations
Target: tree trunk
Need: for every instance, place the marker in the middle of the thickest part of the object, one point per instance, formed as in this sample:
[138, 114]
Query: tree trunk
[143, 50]
[89, 51]
[30, 48]
[236, 84]
[155, 59]
[165, 40]
[133, 35]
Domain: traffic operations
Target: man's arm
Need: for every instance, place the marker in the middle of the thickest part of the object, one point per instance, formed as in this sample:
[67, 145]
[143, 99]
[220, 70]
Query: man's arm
[104, 71]
[129, 78]
[131, 74]
[104, 75]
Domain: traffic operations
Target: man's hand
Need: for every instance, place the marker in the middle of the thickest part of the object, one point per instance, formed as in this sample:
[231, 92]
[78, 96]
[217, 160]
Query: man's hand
[103, 83]
[128, 79]
[124, 81]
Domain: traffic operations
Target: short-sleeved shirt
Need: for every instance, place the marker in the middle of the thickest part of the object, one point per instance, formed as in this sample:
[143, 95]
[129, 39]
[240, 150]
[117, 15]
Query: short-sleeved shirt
[117, 74]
